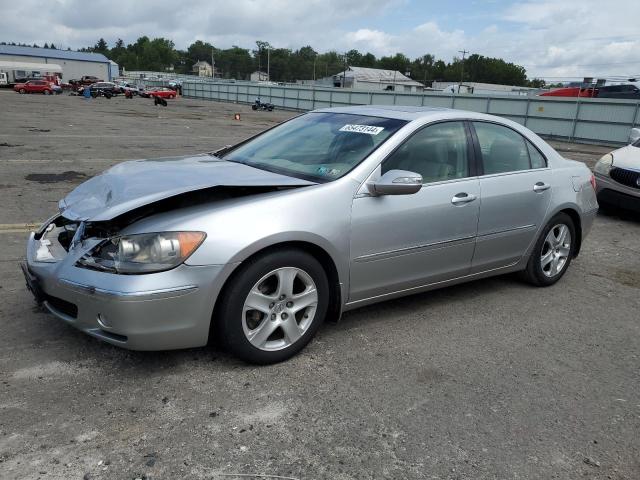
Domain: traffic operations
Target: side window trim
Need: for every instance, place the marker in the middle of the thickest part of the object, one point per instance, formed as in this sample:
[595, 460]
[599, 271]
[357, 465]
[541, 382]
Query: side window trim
[474, 163]
[478, 151]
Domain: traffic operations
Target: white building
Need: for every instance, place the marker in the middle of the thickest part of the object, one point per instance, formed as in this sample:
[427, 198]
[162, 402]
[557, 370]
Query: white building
[362, 78]
[74, 64]
[259, 76]
[482, 88]
[202, 68]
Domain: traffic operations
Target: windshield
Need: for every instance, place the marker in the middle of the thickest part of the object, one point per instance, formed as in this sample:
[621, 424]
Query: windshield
[636, 143]
[316, 146]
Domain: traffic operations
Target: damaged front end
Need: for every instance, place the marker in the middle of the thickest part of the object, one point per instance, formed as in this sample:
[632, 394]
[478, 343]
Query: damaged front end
[134, 254]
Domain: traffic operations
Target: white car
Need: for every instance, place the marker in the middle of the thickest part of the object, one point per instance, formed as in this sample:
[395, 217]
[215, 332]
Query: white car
[618, 176]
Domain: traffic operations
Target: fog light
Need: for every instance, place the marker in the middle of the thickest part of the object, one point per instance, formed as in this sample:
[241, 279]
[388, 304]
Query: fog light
[102, 320]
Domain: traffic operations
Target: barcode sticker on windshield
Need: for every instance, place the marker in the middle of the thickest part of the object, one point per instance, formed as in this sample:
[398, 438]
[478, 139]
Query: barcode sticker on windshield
[368, 129]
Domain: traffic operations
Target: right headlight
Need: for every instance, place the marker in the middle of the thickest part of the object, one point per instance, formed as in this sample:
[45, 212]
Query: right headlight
[142, 253]
[603, 166]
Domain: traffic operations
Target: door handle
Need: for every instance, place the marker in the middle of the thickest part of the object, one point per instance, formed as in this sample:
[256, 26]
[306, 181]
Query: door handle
[462, 198]
[541, 187]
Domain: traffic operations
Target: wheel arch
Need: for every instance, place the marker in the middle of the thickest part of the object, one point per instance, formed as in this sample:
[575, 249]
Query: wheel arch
[319, 253]
[577, 222]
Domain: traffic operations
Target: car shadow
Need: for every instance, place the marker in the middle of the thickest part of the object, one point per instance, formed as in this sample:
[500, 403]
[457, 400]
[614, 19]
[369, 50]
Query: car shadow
[396, 309]
[144, 364]
[629, 216]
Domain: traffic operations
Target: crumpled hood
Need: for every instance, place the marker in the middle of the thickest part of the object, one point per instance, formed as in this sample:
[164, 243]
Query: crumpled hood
[133, 184]
[627, 157]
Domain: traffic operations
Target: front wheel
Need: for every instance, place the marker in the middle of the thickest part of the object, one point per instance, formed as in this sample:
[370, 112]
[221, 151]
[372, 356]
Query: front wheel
[23, 91]
[273, 306]
[552, 253]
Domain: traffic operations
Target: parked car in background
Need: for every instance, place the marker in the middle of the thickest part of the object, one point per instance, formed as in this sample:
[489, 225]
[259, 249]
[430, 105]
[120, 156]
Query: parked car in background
[159, 92]
[126, 87]
[618, 176]
[34, 86]
[570, 92]
[85, 80]
[255, 245]
[629, 91]
[102, 88]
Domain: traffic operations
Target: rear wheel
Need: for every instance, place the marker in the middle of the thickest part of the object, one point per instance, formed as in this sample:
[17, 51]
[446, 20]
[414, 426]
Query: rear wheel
[552, 253]
[47, 92]
[273, 306]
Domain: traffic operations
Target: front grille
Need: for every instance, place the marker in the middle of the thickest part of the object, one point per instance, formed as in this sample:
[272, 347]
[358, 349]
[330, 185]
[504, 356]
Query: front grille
[629, 178]
[62, 306]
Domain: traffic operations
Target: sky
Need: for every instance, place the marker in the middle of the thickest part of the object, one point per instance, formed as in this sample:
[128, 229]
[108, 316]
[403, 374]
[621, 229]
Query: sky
[552, 39]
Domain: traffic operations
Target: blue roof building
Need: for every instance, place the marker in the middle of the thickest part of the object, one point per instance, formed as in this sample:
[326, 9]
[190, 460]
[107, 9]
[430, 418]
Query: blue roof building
[74, 64]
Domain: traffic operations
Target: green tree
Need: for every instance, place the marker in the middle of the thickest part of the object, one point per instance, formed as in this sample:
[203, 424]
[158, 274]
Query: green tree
[101, 47]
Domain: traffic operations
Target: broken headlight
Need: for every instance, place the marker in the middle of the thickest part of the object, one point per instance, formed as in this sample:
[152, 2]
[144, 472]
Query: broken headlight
[142, 253]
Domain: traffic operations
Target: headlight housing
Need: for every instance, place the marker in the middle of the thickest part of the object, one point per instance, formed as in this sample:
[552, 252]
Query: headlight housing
[142, 253]
[603, 166]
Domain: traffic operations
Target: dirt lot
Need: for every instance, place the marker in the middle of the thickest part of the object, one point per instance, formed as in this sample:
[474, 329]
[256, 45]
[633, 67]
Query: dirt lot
[493, 379]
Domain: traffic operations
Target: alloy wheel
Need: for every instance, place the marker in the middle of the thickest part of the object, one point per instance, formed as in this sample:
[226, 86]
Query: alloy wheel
[555, 250]
[279, 308]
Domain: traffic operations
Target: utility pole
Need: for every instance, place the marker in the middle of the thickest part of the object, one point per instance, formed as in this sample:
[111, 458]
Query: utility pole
[213, 65]
[314, 68]
[463, 52]
[268, 60]
[424, 61]
[344, 72]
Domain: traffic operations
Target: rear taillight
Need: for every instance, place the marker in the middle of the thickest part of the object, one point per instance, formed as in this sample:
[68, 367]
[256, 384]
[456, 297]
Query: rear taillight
[593, 181]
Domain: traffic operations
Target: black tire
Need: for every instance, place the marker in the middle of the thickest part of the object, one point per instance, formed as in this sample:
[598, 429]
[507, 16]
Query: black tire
[22, 91]
[229, 321]
[254, 107]
[47, 92]
[534, 273]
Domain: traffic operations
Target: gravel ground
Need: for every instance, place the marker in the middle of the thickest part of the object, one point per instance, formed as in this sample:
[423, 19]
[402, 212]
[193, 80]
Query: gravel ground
[492, 379]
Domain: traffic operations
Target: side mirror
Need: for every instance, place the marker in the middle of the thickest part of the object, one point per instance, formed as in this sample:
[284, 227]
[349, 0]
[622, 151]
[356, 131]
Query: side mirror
[634, 136]
[396, 182]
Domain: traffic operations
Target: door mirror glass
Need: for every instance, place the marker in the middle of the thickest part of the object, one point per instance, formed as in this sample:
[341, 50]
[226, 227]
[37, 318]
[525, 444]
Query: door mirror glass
[635, 135]
[396, 182]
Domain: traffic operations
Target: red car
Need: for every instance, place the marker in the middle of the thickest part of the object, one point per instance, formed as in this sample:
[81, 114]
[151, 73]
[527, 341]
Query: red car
[34, 86]
[160, 92]
[570, 92]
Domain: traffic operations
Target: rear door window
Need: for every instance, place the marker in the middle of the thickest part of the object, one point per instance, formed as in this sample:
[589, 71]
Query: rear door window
[505, 150]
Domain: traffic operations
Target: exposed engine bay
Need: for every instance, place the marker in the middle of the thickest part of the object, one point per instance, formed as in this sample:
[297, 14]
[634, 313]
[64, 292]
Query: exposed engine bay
[59, 234]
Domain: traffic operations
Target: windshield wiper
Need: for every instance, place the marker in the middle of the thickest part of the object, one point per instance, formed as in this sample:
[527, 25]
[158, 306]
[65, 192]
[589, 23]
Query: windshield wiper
[220, 151]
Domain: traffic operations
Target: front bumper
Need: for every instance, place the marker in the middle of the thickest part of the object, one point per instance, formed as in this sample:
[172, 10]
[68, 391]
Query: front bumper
[159, 311]
[612, 193]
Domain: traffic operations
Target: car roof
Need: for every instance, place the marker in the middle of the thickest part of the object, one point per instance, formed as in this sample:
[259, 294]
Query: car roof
[401, 112]
[412, 114]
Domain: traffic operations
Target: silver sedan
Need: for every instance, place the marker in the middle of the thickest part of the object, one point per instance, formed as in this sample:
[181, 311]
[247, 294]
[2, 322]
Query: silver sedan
[256, 244]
